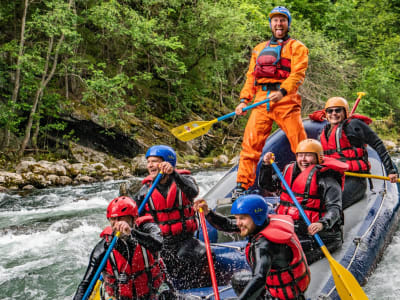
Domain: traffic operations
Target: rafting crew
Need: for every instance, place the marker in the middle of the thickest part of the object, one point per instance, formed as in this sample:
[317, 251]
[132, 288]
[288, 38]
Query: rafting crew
[346, 138]
[171, 206]
[317, 182]
[133, 269]
[274, 253]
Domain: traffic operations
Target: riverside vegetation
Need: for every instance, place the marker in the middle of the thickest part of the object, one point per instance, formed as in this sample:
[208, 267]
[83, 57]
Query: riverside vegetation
[113, 77]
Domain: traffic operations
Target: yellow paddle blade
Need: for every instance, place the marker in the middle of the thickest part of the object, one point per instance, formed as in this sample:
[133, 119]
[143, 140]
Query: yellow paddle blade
[347, 286]
[191, 130]
[95, 295]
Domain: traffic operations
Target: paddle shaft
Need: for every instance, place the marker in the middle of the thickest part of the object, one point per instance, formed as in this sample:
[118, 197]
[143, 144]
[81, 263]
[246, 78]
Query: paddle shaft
[153, 186]
[114, 240]
[244, 109]
[368, 176]
[209, 255]
[101, 266]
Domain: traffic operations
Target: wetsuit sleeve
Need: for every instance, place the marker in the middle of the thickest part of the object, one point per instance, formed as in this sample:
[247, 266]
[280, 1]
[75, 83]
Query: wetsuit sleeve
[221, 222]
[263, 262]
[94, 261]
[267, 180]
[187, 184]
[360, 133]
[149, 235]
[331, 192]
[299, 64]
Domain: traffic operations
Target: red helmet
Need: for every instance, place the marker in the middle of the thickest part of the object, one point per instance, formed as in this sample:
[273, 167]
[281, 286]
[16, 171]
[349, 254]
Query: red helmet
[122, 206]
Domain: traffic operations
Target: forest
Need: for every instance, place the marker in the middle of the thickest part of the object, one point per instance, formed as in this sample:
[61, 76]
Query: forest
[161, 63]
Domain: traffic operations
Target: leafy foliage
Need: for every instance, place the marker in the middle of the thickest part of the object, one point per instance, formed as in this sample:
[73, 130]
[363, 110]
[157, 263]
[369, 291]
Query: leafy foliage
[177, 58]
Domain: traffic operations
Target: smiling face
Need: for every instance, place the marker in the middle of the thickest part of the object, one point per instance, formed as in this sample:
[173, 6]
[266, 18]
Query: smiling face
[152, 165]
[245, 224]
[335, 114]
[306, 159]
[279, 26]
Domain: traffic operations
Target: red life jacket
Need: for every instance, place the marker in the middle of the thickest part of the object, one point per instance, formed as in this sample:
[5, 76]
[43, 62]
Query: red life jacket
[270, 64]
[290, 282]
[305, 188]
[174, 214]
[139, 278]
[338, 146]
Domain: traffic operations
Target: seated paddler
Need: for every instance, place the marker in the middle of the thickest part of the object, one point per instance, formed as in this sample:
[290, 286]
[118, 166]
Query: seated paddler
[317, 183]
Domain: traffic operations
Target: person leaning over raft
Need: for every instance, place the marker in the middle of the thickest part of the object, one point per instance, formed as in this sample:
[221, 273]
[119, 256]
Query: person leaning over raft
[133, 270]
[274, 253]
[171, 206]
[345, 138]
[317, 184]
[277, 68]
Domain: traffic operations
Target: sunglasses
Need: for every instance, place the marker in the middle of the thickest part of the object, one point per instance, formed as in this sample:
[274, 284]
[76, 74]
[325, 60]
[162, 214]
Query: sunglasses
[336, 110]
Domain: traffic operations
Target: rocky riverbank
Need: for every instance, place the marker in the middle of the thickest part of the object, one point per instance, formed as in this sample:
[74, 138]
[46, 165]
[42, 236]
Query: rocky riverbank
[31, 174]
[93, 166]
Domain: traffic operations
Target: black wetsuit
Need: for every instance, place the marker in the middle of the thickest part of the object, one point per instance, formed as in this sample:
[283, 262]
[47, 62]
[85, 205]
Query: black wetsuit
[359, 134]
[184, 255]
[331, 194]
[264, 253]
[147, 235]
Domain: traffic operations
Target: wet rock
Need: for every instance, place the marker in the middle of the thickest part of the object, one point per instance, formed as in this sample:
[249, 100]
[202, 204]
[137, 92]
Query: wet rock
[11, 179]
[28, 187]
[25, 166]
[84, 178]
[65, 180]
[53, 179]
[108, 178]
[139, 164]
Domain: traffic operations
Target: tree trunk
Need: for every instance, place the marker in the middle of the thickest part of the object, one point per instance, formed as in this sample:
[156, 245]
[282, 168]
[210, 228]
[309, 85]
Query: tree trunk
[6, 137]
[42, 86]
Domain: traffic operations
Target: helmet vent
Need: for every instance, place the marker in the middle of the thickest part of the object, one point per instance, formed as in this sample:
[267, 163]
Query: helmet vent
[124, 209]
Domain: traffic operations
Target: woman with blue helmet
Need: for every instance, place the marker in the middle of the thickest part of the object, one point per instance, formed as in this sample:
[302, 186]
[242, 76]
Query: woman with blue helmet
[274, 253]
[171, 206]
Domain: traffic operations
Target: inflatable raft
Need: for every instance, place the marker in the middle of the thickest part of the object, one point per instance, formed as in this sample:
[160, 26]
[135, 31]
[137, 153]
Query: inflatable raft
[369, 227]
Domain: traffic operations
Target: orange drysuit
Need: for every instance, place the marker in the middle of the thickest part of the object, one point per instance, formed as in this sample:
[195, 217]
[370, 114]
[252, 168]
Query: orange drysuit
[285, 112]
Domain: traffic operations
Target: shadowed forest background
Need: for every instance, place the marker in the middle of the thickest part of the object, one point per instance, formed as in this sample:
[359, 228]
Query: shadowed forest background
[92, 71]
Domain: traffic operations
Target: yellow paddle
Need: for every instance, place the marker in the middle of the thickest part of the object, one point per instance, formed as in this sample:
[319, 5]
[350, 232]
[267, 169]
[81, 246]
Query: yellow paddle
[368, 176]
[359, 94]
[346, 285]
[194, 129]
[96, 290]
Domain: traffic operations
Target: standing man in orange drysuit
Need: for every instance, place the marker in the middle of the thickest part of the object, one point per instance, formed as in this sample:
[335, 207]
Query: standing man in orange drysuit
[277, 69]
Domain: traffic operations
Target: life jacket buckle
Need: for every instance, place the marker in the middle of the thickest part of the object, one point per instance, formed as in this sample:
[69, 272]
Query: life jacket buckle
[123, 278]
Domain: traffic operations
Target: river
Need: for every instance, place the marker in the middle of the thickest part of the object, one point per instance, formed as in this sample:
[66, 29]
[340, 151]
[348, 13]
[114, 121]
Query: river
[46, 237]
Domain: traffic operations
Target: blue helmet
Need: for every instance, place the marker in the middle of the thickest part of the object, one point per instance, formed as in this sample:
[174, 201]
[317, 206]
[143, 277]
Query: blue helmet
[280, 10]
[253, 205]
[165, 152]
